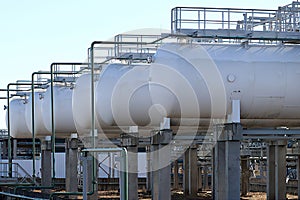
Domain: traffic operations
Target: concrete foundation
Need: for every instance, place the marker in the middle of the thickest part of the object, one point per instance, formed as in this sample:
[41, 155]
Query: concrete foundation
[130, 141]
[46, 165]
[149, 175]
[71, 165]
[245, 175]
[276, 173]
[227, 162]
[190, 172]
[161, 165]
[175, 175]
[200, 180]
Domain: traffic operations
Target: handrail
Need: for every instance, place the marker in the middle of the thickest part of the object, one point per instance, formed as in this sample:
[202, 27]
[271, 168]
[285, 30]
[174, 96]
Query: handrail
[285, 20]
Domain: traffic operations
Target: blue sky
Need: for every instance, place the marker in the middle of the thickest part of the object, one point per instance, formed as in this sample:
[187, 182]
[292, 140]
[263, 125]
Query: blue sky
[35, 33]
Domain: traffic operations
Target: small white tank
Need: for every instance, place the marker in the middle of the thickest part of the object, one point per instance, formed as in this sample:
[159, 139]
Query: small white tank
[18, 126]
[63, 115]
[40, 128]
[123, 96]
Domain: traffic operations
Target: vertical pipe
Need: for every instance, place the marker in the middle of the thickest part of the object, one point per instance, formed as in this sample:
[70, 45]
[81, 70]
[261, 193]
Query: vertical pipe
[204, 19]
[8, 133]
[124, 174]
[52, 123]
[93, 118]
[33, 126]
[199, 19]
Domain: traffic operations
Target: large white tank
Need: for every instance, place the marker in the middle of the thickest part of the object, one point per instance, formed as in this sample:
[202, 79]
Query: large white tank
[63, 115]
[40, 128]
[199, 81]
[18, 126]
[264, 78]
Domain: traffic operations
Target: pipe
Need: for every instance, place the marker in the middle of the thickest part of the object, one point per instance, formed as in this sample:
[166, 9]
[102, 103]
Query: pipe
[18, 196]
[52, 108]
[124, 167]
[53, 134]
[124, 174]
[52, 121]
[8, 125]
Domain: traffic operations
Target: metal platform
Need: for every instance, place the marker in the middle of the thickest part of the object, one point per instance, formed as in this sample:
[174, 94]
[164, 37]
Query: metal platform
[237, 24]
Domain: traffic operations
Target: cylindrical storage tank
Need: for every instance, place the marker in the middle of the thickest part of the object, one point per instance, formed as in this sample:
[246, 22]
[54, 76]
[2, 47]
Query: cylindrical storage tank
[264, 78]
[123, 97]
[40, 128]
[18, 126]
[81, 104]
[198, 81]
[62, 106]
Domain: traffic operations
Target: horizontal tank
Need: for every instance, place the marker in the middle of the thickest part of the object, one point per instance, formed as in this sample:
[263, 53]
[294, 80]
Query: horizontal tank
[81, 104]
[39, 125]
[62, 107]
[199, 81]
[18, 126]
[264, 78]
[189, 83]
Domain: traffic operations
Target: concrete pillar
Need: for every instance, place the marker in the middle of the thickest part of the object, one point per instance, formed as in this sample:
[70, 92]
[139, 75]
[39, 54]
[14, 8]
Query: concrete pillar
[90, 168]
[133, 172]
[298, 174]
[89, 165]
[15, 147]
[165, 162]
[190, 172]
[205, 185]
[46, 164]
[149, 175]
[186, 174]
[175, 175]
[245, 175]
[200, 185]
[276, 173]
[219, 171]
[71, 164]
[227, 162]
[161, 180]
[155, 171]
[130, 141]
[193, 171]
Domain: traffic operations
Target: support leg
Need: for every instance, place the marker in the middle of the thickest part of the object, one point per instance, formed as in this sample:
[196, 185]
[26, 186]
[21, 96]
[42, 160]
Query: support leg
[175, 176]
[71, 165]
[227, 162]
[130, 141]
[276, 173]
[186, 181]
[200, 185]
[46, 165]
[245, 175]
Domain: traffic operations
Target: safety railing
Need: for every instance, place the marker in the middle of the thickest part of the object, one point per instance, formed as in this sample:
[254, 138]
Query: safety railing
[233, 22]
[18, 176]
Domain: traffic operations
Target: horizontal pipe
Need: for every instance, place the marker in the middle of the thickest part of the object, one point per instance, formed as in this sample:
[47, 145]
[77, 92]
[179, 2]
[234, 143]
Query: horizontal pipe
[18, 196]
